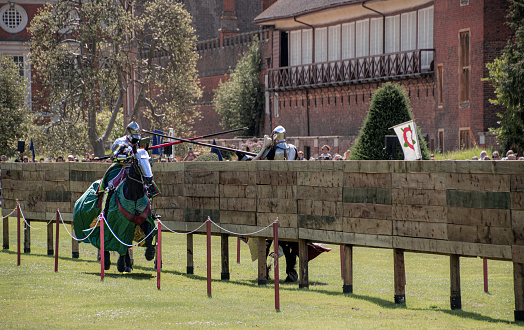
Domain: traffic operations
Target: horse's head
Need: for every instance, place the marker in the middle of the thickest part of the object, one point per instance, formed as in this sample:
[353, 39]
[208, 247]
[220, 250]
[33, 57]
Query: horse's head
[143, 164]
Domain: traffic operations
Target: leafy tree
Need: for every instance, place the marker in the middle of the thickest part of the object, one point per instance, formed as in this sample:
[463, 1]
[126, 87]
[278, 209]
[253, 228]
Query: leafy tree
[12, 105]
[507, 76]
[240, 100]
[87, 53]
[389, 107]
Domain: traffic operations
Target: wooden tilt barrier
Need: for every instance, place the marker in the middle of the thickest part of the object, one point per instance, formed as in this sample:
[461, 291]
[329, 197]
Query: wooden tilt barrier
[454, 208]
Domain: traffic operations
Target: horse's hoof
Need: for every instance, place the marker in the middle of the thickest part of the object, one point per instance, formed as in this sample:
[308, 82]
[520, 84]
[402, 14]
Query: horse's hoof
[150, 253]
[121, 264]
[107, 260]
[127, 270]
[292, 276]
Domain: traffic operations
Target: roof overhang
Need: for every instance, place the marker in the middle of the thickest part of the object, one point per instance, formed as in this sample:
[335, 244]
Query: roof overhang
[285, 14]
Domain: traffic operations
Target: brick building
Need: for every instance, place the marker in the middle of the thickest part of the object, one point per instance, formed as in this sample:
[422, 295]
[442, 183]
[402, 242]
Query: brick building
[322, 61]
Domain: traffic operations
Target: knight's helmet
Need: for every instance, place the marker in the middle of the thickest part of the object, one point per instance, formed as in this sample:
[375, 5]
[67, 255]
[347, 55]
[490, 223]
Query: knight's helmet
[278, 135]
[133, 132]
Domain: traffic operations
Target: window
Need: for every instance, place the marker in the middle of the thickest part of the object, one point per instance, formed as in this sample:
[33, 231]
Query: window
[19, 61]
[425, 35]
[408, 31]
[13, 18]
[464, 138]
[295, 48]
[307, 46]
[392, 34]
[334, 43]
[348, 40]
[362, 38]
[464, 67]
[441, 140]
[375, 39]
[464, 2]
[440, 85]
[320, 45]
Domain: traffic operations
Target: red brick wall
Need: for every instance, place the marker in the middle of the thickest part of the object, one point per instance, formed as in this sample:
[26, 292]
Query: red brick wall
[485, 21]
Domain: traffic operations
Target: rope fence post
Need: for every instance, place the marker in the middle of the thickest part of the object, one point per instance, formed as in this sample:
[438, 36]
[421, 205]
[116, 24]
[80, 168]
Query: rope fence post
[18, 234]
[238, 250]
[208, 227]
[158, 254]
[277, 282]
[57, 239]
[102, 257]
[5, 235]
[342, 261]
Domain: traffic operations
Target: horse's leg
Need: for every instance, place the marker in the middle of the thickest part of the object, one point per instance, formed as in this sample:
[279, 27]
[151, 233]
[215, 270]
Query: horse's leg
[150, 248]
[290, 252]
[124, 263]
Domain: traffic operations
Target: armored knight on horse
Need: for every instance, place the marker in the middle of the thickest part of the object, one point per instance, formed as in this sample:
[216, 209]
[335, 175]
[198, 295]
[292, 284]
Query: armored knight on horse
[126, 187]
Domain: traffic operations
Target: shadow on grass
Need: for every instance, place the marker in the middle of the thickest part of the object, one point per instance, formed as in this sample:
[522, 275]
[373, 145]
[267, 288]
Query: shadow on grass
[133, 275]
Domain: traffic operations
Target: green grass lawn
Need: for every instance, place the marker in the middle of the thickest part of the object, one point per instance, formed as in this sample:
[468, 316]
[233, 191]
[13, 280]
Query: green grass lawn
[32, 295]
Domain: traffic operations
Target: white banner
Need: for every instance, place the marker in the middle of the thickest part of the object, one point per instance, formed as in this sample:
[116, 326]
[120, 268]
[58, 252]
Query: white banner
[408, 138]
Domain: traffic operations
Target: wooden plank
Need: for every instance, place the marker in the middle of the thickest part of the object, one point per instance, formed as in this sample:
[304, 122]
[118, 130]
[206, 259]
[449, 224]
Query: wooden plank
[367, 211]
[303, 273]
[367, 180]
[479, 217]
[75, 253]
[368, 226]
[517, 183]
[418, 180]
[478, 199]
[224, 256]
[463, 233]
[517, 254]
[5, 233]
[455, 298]
[201, 190]
[366, 195]
[276, 177]
[517, 200]
[284, 220]
[320, 179]
[281, 192]
[238, 218]
[197, 202]
[420, 229]
[319, 193]
[50, 241]
[495, 235]
[478, 182]
[399, 275]
[27, 236]
[238, 204]
[189, 255]
[324, 208]
[275, 205]
[201, 177]
[518, 282]
[408, 196]
[320, 222]
[262, 268]
[348, 269]
[419, 213]
[237, 178]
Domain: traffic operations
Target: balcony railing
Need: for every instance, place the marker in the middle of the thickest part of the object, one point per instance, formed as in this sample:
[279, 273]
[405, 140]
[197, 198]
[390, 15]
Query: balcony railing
[392, 66]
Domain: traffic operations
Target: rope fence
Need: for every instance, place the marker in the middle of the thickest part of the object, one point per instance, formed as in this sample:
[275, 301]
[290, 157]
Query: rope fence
[158, 226]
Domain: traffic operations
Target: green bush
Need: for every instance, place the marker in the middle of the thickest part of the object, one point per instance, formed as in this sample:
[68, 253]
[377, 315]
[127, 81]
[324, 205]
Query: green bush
[207, 158]
[389, 107]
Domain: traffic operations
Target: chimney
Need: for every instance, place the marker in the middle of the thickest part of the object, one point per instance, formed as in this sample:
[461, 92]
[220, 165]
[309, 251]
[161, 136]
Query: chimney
[267, 3]
[228, 21]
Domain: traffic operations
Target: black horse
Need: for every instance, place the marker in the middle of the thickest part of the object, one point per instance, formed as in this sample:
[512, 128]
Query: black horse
[126, 189]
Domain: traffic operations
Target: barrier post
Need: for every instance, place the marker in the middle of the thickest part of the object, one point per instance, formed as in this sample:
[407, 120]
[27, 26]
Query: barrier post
[18, 234]
[208, 227]
[342, 261]
[277, 282]
[6, 233]
[158, 254]
[102, 253]
[57, 238]
[485, 268]
[238, 250]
